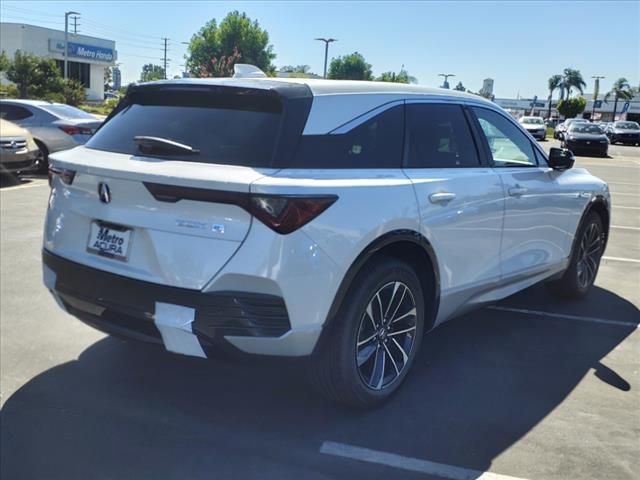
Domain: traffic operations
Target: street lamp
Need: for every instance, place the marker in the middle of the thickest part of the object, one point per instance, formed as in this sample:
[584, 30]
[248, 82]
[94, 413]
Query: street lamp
[326, 41]
[596, 90]
[446, 76]
[66, 41]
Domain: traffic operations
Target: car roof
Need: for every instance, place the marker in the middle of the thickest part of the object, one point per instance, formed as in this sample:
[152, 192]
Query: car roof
[320, 87]
[22, 101]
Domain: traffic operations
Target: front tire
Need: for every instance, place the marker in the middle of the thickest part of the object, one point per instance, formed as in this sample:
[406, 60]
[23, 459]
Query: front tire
[374, 339]
[585, 260]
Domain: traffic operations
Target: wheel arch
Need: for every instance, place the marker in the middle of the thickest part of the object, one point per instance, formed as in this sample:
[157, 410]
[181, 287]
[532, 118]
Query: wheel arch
[600, 205]
[407, 245]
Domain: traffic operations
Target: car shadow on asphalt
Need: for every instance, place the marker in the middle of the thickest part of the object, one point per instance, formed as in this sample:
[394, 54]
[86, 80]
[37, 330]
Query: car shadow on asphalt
[480, 383]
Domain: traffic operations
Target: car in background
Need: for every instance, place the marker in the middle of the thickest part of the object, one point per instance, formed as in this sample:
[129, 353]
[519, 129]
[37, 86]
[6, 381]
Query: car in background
[586, 138]
[561, 128]
[54, 126]
[18, 151]
[535, 126]
[627, 133]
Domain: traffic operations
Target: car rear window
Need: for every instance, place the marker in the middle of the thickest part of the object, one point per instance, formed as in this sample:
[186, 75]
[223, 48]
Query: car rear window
[68, 112]
[227, 126]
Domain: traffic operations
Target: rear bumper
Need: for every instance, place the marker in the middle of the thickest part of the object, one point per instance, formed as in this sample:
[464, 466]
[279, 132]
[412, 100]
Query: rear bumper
[184, 320]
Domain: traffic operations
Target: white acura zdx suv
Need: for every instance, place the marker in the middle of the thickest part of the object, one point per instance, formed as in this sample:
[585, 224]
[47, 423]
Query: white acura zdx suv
[334, 220]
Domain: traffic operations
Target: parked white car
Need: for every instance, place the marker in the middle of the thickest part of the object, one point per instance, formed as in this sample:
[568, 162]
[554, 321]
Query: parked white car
[334, 219]
[535, 126]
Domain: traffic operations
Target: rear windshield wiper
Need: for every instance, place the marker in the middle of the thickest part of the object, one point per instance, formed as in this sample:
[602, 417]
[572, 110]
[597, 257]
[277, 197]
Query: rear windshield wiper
[160, 146]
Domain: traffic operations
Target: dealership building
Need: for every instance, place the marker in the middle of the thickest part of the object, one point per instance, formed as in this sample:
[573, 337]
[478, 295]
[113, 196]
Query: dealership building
[87, 56]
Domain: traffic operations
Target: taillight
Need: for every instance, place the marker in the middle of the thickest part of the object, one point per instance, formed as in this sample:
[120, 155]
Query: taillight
[285, 214]
[65, 175]
[74, 130]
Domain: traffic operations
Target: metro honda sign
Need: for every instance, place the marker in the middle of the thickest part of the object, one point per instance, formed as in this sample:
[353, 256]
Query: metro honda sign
[88, 52]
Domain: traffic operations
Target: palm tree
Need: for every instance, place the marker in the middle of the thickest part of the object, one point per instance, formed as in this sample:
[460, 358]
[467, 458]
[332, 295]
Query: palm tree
[620, 90]
[572, 79]
[554, 83]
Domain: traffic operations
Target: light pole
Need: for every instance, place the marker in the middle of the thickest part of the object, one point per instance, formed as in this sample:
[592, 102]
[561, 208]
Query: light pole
[326, 41]
[66, 41]
[596, 90]
[446, 76]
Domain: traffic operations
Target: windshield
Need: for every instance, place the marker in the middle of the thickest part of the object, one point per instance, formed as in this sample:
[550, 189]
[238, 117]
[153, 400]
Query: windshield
[67, 111]
[627, 126]
[534, 120]
[585, 128]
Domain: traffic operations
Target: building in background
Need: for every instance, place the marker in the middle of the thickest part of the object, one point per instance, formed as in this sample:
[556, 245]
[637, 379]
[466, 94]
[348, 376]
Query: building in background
[87, 56]
[117, 78]
[487, 86]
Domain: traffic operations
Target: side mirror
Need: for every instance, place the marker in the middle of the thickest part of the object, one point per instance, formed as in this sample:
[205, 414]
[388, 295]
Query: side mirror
[561, 159]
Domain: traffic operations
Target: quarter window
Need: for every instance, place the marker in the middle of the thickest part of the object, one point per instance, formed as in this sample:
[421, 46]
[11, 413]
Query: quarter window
[509, 146]
[377, 143]
[438, 136]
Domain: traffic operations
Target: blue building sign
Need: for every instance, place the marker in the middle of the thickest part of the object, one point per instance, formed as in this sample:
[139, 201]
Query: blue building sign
[86, 52]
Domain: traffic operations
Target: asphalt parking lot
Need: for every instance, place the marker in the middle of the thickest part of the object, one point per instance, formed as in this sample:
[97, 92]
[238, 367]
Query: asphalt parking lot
[532, 388]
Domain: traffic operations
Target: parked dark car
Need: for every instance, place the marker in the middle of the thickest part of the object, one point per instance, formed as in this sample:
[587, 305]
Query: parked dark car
[624, 132]
[586, 138]
[558, 133]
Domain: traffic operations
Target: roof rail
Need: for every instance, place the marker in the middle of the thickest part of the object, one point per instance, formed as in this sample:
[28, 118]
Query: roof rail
[244, 70]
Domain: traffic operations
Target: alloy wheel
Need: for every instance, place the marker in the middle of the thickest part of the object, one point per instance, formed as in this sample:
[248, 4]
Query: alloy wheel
[589, 255]
[386, 335]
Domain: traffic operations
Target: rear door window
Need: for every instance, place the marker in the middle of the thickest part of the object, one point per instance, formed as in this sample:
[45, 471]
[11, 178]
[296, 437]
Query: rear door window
[239, 128]
[14, 112]
[376, 143]
[438, 136]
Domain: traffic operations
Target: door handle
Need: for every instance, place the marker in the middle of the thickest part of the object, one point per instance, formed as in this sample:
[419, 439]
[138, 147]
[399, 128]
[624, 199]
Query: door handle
[442, 197]
[517, 191]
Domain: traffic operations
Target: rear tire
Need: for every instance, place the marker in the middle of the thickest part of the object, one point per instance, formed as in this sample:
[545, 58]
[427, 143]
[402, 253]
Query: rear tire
[371, 345]
[579, 277]
[42, 161]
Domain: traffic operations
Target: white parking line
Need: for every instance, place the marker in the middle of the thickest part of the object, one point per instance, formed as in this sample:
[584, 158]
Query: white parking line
[20, 187]
[621, 227]
[613, 194]
[626, 208]
[621, 259]
[409, 463]
[623, 183]
[564, 316]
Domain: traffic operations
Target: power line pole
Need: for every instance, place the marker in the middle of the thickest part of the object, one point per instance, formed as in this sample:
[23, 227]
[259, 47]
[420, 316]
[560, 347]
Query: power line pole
[66, 41]
[446, 76]
[75, 24]
[164, 58]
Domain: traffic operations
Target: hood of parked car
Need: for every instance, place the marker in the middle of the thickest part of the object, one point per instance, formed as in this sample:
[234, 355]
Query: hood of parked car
[587, 136]
[9, 129]
[626, 130]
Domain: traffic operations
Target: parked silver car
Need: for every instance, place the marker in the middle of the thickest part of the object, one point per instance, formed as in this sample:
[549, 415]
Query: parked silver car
[18, 151]
[54, 126]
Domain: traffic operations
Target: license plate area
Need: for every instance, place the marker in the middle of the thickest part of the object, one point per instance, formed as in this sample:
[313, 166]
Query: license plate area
[109, 240]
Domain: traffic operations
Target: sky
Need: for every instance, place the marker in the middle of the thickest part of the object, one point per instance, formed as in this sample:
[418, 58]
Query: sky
[519, 44]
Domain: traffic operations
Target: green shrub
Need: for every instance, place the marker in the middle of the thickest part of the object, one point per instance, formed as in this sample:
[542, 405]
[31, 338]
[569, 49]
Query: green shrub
[572, 107]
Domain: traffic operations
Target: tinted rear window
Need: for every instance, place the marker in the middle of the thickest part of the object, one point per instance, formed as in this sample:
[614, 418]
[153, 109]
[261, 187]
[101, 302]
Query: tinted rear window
[231, 128]
[376, 143]
[67, 111]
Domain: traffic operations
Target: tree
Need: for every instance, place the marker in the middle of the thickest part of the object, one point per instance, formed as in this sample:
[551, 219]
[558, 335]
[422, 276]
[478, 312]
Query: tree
[297, 69]
[108, 76]
[553, 84]
[621, 90]
[33, 75]
[572, 107]
[460, 87]
[401, 77]
[151, 72]
[572, 78]
[237, 38]
[350, 67]
[4, 61]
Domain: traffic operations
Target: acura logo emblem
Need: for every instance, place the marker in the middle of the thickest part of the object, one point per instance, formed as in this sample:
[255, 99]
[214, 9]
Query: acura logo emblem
[104, 193]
